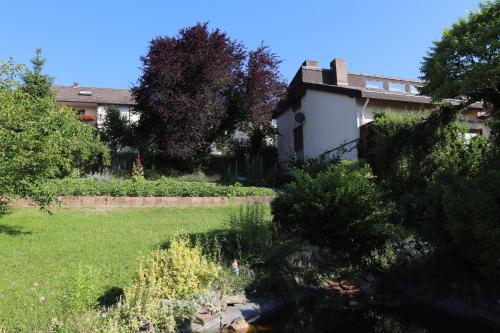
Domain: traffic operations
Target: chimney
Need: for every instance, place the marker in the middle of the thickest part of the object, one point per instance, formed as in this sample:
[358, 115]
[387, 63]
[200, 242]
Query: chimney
[339, 70]
[311, 64]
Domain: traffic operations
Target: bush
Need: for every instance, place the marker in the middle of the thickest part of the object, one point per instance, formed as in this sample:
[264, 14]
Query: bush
[82, 292]
[445, 186]
[472, 211]
[250, 236]
[163, 187]
[175, 273]
[341, 208]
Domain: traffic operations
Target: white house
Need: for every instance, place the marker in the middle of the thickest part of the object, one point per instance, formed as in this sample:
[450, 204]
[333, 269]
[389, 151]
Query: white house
[91, 103]
[324, 109]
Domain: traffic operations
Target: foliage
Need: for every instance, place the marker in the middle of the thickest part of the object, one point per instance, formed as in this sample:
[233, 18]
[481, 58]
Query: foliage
[81, 291]
[443, 184]
[163, 187]
[175, 273]
[397, 253]
[199, 87]
[341, 208]
[35, 83]
[41, 140]
[250, 234]
[98, 248]
[137, 169]
[472, 210]
[116, 130]
[466, 61]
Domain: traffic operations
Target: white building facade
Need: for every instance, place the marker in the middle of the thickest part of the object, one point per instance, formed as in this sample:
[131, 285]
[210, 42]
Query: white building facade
[92, 103]
[325, 108]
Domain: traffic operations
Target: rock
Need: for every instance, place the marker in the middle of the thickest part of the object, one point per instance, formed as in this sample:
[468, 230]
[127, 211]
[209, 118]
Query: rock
[203, 316]
[369, 277]
[146, 327]
[238, 325]
[234, 299]
[166, 303]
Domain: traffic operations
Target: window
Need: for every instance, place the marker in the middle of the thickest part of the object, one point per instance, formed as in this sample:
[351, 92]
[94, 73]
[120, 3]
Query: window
[298, 138]
[414, 89]
[399, 87]
[374, 84]
[80, 112]
[124, 113]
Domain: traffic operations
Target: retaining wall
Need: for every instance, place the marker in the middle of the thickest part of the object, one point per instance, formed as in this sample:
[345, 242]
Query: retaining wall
[147, 202]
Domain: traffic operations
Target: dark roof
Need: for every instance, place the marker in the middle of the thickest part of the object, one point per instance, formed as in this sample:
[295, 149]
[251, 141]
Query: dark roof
[77, 94]
[312, 77]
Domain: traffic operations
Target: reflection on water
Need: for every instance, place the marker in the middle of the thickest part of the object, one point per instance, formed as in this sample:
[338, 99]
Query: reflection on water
[314, 318]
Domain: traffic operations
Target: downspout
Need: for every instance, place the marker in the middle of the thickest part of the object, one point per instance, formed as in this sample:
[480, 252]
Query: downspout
[363, 111]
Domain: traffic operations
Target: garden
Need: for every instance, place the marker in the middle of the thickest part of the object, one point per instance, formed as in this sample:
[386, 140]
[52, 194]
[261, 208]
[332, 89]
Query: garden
[414, 221]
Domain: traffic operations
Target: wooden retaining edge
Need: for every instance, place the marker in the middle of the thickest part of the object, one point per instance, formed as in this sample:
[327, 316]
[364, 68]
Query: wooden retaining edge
[146, 202]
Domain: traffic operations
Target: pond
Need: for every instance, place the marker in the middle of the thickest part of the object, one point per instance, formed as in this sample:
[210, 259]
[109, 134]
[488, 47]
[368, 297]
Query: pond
[315, 317]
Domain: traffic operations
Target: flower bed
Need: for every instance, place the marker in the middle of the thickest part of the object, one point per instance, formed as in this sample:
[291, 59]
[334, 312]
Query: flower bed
[164, 187]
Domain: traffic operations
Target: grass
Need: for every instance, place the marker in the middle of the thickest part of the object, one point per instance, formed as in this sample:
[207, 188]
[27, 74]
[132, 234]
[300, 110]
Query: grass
[43, 255]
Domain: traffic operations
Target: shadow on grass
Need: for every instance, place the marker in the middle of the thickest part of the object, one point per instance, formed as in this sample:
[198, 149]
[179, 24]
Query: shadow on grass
[110, 297]
[12, 231]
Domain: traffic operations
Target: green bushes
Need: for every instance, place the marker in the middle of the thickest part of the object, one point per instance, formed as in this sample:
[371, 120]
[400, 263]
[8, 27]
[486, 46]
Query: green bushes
[444, 185]
[341, 208]
[472, 210]
[174, 273]
[163, 187]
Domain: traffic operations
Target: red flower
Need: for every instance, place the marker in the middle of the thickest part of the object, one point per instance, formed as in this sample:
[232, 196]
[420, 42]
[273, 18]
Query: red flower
[138, 159]
[87, 117]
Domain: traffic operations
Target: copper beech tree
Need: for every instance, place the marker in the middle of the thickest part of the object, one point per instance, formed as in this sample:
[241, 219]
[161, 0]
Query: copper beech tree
[199, 87]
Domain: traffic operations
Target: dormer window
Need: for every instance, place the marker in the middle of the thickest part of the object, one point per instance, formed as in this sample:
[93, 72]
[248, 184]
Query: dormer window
[374, 84]
[397, 87]
[85, 93]
[414, 89]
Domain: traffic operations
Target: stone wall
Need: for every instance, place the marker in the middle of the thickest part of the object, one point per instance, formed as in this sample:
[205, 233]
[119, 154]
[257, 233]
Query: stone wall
[147, 202]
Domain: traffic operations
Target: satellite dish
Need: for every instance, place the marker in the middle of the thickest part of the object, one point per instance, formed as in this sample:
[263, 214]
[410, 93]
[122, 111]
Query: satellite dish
[300, 117]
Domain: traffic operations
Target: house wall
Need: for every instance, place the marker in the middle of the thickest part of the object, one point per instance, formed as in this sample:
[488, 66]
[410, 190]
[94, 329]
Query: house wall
[330, 122]
[286, 124]
[89, 108]
[125, 110]
[375, 106]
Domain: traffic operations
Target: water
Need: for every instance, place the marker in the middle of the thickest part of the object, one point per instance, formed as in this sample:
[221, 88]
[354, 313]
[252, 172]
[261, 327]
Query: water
[314, 317]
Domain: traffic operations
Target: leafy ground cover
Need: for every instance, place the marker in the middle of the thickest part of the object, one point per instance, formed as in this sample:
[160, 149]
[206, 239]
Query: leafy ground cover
[163, 187]
[48, 259]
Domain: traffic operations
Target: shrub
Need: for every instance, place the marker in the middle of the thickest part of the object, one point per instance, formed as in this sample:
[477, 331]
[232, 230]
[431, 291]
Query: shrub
[82, 293]
[472, 210]
[163, 187]
[249, 235]
[445, 186]
[341, 208]
[174, 273]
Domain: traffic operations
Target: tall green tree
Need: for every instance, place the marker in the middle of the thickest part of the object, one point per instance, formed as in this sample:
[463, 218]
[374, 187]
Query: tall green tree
[40, 140]
[116, 130]
[37, 84]
[465, 62]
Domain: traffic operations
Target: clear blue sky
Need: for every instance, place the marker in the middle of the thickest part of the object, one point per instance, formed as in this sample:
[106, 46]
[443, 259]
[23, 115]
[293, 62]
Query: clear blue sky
[99, 42]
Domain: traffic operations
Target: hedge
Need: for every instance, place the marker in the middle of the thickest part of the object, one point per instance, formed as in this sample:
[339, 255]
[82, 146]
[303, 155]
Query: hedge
[164, 187]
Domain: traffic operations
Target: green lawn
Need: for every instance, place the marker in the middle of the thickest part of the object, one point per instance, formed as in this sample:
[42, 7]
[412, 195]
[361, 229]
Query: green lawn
[41, 253]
